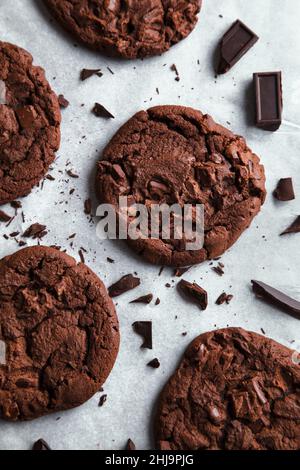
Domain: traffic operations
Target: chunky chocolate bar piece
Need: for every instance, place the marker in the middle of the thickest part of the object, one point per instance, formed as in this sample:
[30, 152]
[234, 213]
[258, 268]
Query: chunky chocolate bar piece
[269, 103]
[234, 44]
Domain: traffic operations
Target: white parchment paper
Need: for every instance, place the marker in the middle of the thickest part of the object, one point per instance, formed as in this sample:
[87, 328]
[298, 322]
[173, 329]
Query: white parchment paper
[132, 387]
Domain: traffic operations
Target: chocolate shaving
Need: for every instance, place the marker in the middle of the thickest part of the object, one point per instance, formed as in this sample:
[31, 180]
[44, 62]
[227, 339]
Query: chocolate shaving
[102, 400]
[88, 207]
[276, 298]
[4, 217]
[35, 231]
[155, 364]
[130, 445]
[285, 190]
[224, 298]
[294, 228]
[72, 174]
[41, 445]
[63, 102]
[195, 293]
[100, 111]
[144, 329]
[124, 285]
[145, 299]
[87, 73]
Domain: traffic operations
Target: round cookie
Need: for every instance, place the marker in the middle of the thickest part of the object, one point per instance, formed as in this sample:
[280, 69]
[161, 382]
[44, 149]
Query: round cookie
[234, 390]
[130, 28]
[29, 123]
[173, 154]
[59, 333]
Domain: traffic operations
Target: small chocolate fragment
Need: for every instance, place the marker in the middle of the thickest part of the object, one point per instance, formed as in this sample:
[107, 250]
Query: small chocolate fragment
[276, 298]
[294, 228]
[41, 445]
[178, 272]
[195, 292]
[145, 299]
[87, 73]
[125, 284]
[4, 217]
[218, 270]
[100, 111]
[285, 190]
[144, 329]
[72, 174]
[130, 445]
[157, 302]
[88, 207]
[268, 93]
[224, 298]
[63, 102]
[234, 44]
[35, 231]
[102, 401]
[155, 364]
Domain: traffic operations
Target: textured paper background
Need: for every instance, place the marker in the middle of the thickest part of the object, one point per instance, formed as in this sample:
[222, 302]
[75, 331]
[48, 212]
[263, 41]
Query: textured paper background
[132, 387]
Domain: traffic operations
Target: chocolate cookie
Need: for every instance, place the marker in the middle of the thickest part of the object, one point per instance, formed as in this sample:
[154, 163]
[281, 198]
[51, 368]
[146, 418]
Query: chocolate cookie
[234, 390]
[59, 333]
[29, 123]
[128, 28]
[173, 154]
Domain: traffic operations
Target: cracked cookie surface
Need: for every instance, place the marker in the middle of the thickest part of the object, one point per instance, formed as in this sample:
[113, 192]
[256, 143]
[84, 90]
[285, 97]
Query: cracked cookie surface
[29, 123]
[176, 155]
[234, 390]
[58, 331]
[128, 28]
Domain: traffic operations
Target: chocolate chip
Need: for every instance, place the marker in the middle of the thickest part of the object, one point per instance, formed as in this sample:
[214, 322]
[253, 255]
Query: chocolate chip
[145, 299]
[87, 73]
[144, 329]
[276, 298]
[100, 111]
[41, 445]
[294, 228]
[35, 231]
[155, 364]
[130, 445]
[4, 217]
[285, 190]
[102, 400]
[63, 102]
[125, 284]
[224, 298]
[195, 293]
[88, 206]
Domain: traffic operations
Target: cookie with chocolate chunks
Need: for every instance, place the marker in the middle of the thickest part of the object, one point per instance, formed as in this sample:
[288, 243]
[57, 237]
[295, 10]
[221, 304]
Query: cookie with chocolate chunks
[29, 123]
[176, 155]
[59, 330]
[234, 390]
[127, 28]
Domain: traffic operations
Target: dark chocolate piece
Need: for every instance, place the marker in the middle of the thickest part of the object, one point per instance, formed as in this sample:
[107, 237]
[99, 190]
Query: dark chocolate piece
[41, 445]
[285, 190]
[276, 298]
[35, 231]
[100, 111]
[72, 174]
[4, 217]
[144, 329]
[224, 298]
[63, 102]
[195, 292]
[234, 44]
[87, 73]
[130, 445]
[88, 206]
[145, 299]
[268, 93]
[102, 401]
[178, 272]
[294, 228]
[125, 284]
[155, 364]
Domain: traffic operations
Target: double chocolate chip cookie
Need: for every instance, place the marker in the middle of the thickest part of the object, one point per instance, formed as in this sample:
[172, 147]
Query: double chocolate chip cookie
[128, 28]
[176, 155]
[59, 333]
[234, 390]
[29, 123]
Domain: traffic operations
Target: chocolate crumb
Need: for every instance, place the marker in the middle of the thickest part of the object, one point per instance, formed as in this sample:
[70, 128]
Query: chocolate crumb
[63, 102]
[155, 364]
[102, 400]
[130, 445]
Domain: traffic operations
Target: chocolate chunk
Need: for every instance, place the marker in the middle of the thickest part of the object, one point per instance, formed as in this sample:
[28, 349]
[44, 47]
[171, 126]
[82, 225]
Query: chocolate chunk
[144, 329]
[224, 298]
[63, 102]
[268, 93]
[125, 284]
[276, 298]
[234, 44]
[181, 271]
[88, 206]
[285, 190]
[16, 204]
[155, 364]
[195, 293]
[35, 231]
[101, 111]
[145, 299]
[294, 228]
[4, 217]
[130, 445]
[87, 73]
[41, 445]
[102, 400]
